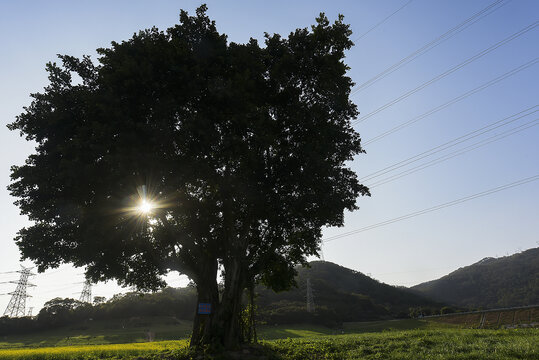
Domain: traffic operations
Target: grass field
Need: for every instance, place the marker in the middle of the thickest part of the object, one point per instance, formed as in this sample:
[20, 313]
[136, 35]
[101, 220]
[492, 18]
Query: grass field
[457, 344]
[166, 328]
[104, 332]
[416, 344]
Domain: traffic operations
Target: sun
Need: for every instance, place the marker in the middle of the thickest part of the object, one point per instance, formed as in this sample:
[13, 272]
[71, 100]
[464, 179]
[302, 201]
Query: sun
[145, 207]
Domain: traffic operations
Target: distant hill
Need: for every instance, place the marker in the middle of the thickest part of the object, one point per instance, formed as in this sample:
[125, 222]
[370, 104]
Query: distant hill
[489, 283]
[340, 295]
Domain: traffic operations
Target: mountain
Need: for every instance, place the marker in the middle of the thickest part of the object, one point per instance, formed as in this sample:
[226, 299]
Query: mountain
[489, 283]
[340, 295]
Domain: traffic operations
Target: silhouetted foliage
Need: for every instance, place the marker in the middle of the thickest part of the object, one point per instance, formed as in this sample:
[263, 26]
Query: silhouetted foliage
[243, 148]
[58, 311]
[172, 302]
[15, 326]
[446, 310]
[98, 300]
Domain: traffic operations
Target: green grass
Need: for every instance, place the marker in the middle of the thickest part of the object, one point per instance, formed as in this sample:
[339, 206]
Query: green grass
[166, 328]
[454, 344]
[103, 332]
[392, 339]
[269, 332]
[404, 324]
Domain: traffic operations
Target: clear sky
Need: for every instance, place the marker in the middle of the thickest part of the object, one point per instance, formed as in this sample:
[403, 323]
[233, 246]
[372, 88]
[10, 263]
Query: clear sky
[402, 253]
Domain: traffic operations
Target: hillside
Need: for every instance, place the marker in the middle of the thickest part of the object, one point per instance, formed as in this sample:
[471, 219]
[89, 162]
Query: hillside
[489, 283]
[340, 295]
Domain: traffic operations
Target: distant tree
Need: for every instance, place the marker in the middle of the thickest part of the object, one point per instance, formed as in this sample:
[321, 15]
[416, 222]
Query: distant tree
[446, 310]
[415, 312]
[58, 311]
[182, 152]
[18, 325]
[99, 300]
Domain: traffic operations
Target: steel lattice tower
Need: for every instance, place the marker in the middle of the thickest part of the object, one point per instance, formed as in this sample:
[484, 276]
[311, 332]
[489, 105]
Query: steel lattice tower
[17, 303]
[86, 294]
[310, 297]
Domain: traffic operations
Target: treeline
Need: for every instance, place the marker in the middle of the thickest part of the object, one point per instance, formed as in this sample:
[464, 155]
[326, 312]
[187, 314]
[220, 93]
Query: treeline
[340, 295]
[58, 312]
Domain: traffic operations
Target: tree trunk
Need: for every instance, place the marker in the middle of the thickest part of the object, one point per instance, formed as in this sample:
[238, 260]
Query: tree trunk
[204, 332]
[230, 308]
[221, 328]
[251, 332]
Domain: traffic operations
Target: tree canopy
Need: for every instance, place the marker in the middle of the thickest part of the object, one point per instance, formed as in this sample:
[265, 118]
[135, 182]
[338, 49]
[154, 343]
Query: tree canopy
[240, 149]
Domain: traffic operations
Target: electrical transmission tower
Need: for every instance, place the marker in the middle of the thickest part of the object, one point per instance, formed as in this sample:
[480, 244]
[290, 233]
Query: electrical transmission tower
[310, 297]
[30, 311]
[17, 303]
[86, 294]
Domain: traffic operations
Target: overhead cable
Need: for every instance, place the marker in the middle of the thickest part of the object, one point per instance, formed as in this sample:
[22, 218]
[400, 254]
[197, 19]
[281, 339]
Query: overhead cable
[432, 44]
[382, 21]
[458, 140]
[453, 101]
[451, 155]
[434, 208]
[450, 71]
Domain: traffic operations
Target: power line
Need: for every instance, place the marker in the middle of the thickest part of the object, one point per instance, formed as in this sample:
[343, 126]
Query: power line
[72, 286]
[382, 21]
[453, 142]
[431, 45]
[453, 101]
[457, 153]
[52, 272]
[434, 208]
[450, 71]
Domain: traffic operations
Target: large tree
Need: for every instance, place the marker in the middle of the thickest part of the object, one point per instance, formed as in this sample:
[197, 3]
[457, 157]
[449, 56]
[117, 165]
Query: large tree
[180, 151]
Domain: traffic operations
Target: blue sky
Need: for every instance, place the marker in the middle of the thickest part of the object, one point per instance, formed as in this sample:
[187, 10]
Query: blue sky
[402, 253]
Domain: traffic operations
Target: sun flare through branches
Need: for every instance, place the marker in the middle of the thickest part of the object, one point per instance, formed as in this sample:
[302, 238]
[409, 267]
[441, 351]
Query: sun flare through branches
[145, 207]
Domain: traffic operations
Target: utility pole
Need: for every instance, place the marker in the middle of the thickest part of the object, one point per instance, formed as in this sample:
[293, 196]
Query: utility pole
[17, 303]
[310, 297]
[86, 295]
